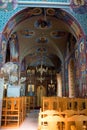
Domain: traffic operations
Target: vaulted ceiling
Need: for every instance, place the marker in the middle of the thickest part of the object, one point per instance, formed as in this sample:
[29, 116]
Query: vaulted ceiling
[43, 39]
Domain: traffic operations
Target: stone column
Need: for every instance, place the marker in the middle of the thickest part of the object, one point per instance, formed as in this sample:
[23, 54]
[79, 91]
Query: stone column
[59, 85]
[71, 79]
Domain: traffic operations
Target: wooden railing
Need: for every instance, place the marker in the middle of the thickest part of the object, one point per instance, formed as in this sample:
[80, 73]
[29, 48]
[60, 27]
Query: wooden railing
[63, 114]
[61, 104]
[13, 112]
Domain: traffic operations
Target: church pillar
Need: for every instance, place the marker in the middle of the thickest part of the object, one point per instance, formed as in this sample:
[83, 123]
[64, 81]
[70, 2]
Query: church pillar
[71, 79]
[59, 85]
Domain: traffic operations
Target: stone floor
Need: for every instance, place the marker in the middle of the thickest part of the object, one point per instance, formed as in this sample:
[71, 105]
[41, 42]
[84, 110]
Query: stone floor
[30, 122]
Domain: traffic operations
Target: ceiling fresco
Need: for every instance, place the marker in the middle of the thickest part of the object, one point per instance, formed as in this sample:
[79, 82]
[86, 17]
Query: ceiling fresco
[42, 35]
[41, 22]
[79, 6]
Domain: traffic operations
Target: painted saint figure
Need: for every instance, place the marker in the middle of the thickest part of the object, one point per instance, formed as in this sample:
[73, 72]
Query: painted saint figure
[14, 48]
[79, 2]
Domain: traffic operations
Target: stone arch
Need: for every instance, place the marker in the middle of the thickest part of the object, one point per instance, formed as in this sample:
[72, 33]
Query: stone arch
[72, 24]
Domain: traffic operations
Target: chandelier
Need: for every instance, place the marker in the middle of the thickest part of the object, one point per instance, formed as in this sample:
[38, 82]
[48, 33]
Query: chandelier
[41, 69]
[41, 79]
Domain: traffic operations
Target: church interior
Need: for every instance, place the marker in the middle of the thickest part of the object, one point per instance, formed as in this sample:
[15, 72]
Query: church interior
[43, 65]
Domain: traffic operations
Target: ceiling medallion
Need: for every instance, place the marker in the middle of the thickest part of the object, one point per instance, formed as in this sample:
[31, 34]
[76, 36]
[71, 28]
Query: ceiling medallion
[42, 24]
[58, 34]
[50, 12]
[27, 33]
[41, 50]
[42, 40]
[36, 11]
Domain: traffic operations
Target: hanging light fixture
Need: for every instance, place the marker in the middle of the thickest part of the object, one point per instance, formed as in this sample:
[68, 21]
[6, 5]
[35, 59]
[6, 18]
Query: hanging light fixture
[41, 69]
[41, 79]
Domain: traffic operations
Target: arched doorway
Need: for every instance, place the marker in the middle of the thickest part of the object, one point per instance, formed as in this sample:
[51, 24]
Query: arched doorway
[41, 92]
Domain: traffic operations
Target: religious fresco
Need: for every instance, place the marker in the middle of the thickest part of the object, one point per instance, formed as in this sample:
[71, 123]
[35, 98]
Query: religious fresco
[83, 66]
[14, 49]
[51, 12]
[71, 22]
[30, 90]
[58, 34]
[51, 90]
[77, 70]
[27, 33]
[79, 6]
[41, 50]
[80, 68]
[10, 25]
[76, 54]
[42, 40]
[8, 5]
[23, 65]
[3, 46]
[70, 46]
[79, 56]
[1, 58]
[42, 24]
[70, 54]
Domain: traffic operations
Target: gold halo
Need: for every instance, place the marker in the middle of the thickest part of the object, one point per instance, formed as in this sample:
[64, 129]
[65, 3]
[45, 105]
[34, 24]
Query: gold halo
[36, 11]
[76, 3]
[50, 12]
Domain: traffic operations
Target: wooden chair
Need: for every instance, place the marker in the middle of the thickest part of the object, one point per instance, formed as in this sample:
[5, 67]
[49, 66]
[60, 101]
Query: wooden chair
[73, 127]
